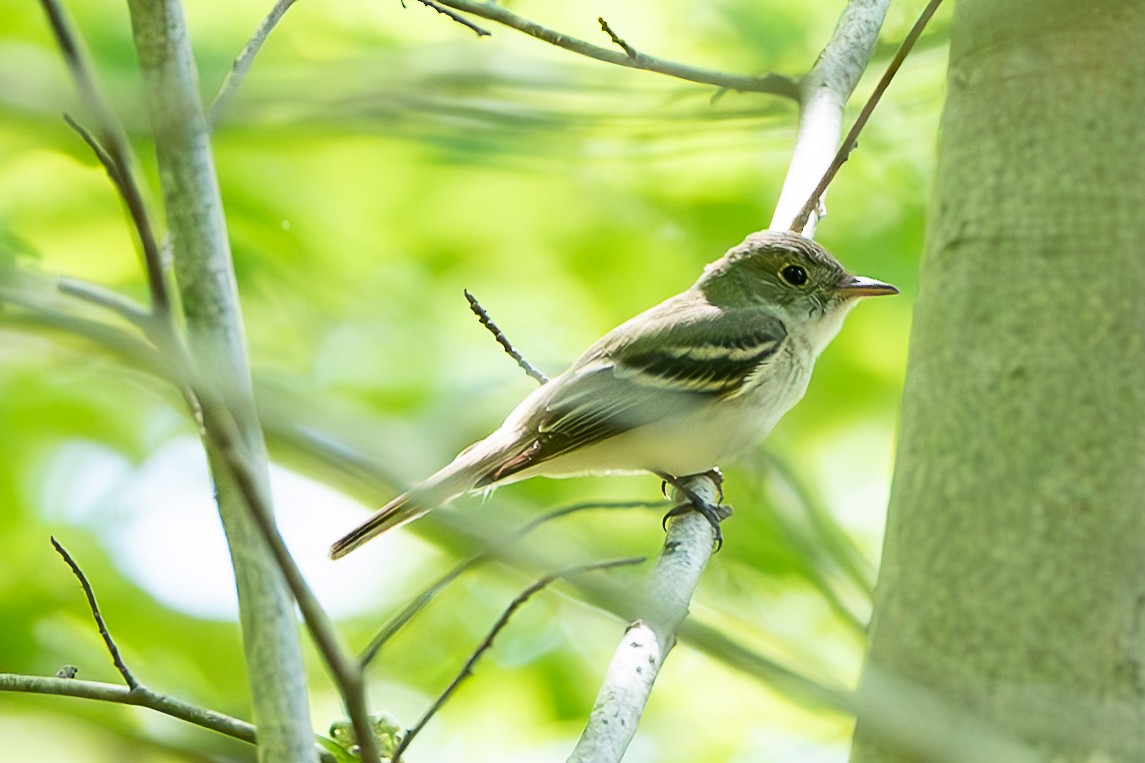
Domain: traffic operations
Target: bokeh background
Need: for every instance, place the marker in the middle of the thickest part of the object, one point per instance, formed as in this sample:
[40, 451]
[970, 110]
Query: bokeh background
[377, 161]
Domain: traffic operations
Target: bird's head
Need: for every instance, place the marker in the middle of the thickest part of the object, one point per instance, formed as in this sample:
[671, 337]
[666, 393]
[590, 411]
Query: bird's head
[786, 271]
[792, 277]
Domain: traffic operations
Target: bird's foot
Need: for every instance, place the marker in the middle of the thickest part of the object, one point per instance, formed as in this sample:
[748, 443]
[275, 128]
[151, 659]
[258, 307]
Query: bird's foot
[715, 513]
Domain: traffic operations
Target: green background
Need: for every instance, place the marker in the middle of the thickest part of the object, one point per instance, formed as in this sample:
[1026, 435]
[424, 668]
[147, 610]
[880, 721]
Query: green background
[377, 161]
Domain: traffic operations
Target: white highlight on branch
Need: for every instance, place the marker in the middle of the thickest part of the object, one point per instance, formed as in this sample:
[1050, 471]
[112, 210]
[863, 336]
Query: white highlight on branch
[823, 94]
[636, 662]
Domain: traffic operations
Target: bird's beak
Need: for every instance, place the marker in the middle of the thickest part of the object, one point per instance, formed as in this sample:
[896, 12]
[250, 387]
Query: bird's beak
[860, 286]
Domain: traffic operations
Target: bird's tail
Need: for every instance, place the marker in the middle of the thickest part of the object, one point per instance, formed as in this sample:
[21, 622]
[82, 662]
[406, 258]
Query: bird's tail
[471, 469]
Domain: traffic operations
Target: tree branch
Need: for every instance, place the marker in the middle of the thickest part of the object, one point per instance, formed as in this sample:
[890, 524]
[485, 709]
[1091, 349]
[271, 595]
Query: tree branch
[477, 30]
[823, 94]
[113, 151]
[224, 437]
[636, 663]
[139, 695]
[37, 307]
[775, 84]
[216, 350]
[245, 60]
[135, 693]
[852, 139]
[109, 642]
[106, 298]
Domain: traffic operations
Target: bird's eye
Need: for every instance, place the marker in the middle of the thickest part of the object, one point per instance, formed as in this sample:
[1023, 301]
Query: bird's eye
[794, 275]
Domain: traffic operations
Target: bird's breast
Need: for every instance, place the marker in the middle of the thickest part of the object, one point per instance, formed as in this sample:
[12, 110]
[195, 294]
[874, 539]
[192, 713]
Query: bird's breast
[710, 433]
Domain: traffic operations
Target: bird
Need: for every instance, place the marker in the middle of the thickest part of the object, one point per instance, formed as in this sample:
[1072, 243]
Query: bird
[677, 390]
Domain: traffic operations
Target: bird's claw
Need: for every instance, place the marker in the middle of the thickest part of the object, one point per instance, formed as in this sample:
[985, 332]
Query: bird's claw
[713, 512]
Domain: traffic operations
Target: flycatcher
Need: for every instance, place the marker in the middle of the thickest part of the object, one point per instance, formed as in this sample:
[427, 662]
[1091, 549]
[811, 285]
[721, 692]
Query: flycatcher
[677, 390]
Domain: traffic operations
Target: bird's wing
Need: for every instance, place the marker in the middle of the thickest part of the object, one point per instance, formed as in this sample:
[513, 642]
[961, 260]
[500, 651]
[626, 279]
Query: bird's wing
[632, 378]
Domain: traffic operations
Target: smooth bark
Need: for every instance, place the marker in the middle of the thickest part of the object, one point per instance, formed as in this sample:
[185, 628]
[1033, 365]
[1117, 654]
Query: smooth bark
[1013, 578]
[216, 341]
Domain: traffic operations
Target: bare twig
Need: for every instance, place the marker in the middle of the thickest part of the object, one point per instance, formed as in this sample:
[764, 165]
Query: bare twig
[503, 340]
[617, 39]
[479, 31]
[502, 621]
[125, 307]
[113, 151]
[65, 683]
[428, 594]
[775, 84]
[245, 59]
[120, 665]
[96, 148]
[37, 310]
[138, 695]
[852, 138]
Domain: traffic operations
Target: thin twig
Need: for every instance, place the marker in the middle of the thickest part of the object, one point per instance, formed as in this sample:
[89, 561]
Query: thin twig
[125, 307]
[617, 39]
[96, 148]
[120, 665]
[502, 621]
[140, 696]
[774, 84]
[503, 340]
[245, 59]
[38, 311]
[852, 138]
[428, 594]
[116, 155]
[479, 31]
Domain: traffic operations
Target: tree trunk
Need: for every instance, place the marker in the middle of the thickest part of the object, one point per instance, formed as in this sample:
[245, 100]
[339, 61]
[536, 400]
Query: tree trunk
[1012, 587]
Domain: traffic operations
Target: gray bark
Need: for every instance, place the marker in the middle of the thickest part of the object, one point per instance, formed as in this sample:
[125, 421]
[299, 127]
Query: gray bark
[217, 344]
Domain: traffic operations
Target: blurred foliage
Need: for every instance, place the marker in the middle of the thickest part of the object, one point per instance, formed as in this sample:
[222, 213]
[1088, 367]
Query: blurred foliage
[377, 161]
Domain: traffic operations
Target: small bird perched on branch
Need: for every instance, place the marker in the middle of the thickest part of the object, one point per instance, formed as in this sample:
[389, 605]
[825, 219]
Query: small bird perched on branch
[676, 391]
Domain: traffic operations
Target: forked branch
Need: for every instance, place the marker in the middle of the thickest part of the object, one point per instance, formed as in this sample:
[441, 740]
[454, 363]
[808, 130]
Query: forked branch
[814, 201]
[775, 84]
[135, 692]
